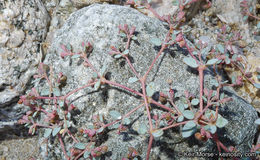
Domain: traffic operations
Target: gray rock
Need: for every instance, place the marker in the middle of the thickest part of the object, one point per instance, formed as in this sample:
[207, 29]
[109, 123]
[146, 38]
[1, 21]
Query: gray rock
[98, 24]
[229, 12]
[24, 25]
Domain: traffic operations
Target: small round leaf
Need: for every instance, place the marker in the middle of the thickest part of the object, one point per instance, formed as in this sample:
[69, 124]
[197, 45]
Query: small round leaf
[97, 84]
[188, 129]
[118, 56]
[80, 146]
[257, 85]
[258, 25]
[211, 128]
[150, 89]
[142, 129]
[75, 56]
[156, 41]
[47, 132]
[195, 102]
[56, 131]
[221, 122]
[257, 121]
[188, 114]
[126, 52]
[126, 121]
[56, 92]
[190, 62]
[86, 154]
[100, 130]
[221, 48]
[157, 133]
[45, 92]
[115, 114]
[132, 79]
[212, 61]
[180, 119]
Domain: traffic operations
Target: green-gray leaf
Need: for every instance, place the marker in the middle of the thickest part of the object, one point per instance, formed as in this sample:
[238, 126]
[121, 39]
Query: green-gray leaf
[173, 37]
[211, 128]
[195, 101]
[206, 50]
[118, 56]
[221, 122]
[157, 133]
[140, 7]
[122, 34]
[80, 146]
[115, 126]
[134, 38]
[56, 92]
[175, 2]
[86, 154]
[100, 130]
[188, 129]
[75, 56]
[245, 18]
[132, 79]
[204, 98]
[156, 41]
[47, 132]
[181, 107]
[212, 61]
[126, 121]
[180, 119]
[257, 85]
[35, 114]
[221, 48]
[95, 75]
[214, 82]
[115, 114]
[126, 52]
[150, 89]
[45, 92]
[257, 121]
[258, 25]
[142, 129]
[188, 114]
[97, 84]
[190, 62]
[103, 69]
[55, 131]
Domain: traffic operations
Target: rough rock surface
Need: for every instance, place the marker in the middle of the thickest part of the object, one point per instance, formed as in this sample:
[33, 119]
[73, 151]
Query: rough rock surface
[19, 148]
[98, 24]
[208, 23]
[23, 26]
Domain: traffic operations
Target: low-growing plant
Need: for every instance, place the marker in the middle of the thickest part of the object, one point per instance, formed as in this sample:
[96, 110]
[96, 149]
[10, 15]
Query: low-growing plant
[198, 116]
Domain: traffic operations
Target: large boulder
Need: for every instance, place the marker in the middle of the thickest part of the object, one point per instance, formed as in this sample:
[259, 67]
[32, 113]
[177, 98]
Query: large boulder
[23, 26]
[98, 24]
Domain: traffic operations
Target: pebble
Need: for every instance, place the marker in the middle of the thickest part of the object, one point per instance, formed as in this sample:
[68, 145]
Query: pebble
[16, 39]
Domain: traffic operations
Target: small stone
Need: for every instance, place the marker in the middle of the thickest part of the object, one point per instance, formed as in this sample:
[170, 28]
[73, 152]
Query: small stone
[169, 81]
[16, 39]
[3, 39]
[242, 43]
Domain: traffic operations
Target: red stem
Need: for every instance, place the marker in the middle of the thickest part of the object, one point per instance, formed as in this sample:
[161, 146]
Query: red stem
[146, 104]
[149, 147]
[63, 148]
[201, 76]
[126, 115]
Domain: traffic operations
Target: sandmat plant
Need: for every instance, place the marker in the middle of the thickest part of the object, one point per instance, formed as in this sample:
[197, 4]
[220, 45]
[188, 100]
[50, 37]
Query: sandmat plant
[197, 116]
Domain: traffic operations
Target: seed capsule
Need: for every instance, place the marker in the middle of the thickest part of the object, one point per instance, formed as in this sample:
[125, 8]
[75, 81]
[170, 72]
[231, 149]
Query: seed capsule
[163, 100]
[199, 137]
